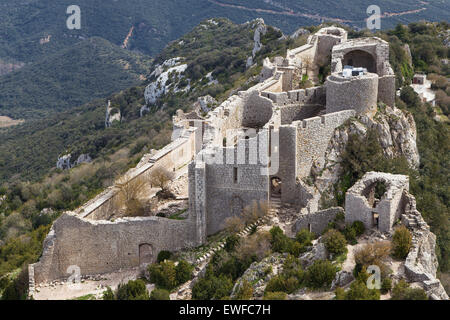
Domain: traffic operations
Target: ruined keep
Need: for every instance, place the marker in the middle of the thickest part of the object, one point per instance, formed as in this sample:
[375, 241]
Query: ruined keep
[256, 146]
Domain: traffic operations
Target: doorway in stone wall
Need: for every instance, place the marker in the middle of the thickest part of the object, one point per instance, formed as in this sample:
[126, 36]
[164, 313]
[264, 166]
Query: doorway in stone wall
[145, 254]
[375, 219]
[275, 188]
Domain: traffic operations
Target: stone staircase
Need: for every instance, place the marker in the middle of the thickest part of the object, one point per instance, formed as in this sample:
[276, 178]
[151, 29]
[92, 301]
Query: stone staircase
[184, 292]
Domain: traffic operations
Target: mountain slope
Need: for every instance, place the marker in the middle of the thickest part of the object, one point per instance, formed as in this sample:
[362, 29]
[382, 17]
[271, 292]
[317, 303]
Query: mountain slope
[90, 69]
[24, 23]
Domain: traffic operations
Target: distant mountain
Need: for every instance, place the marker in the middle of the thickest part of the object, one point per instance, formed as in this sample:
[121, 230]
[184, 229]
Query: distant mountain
[60, 68]
[90, 69]
[32, 28]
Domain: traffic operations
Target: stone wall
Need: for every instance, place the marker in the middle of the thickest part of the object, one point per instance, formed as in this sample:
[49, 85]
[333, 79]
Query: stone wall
[172, 157]
[316, 222]
[386, 90]
[234, 177]
[303, 143]
[357, 93]
[99, 247]
[360, 205]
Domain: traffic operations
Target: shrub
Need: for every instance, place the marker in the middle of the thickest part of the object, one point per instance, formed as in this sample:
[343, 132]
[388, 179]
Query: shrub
[281, 243]
[231, 242]
[163, 275]
[255, 211]
[212, 287]
[305, 237]
[275, 296]
[359, 228]
[359, 291]
[183, 272]
[108, 294]
[133, 290]
[17, 289]
[401, 242]
[335, 242]
[254, 247]
[163, 255]
[234, 224]
[160, 294]
[386, 285]
[402, 291]
[373, 254]
[340, 293]
[282, 283]
[245, 292]
[320, 274]
[350, 235]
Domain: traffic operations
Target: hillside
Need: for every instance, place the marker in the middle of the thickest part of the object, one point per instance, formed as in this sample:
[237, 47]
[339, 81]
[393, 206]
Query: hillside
[24, 23]
[90, 69]
[30, 150]
[28, 153]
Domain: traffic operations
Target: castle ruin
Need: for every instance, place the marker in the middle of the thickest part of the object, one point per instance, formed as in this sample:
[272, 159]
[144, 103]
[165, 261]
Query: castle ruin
[258, 145]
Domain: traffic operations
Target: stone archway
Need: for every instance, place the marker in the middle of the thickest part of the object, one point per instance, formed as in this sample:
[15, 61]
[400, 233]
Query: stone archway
[145, 254]
[275, 187]
[360, 58]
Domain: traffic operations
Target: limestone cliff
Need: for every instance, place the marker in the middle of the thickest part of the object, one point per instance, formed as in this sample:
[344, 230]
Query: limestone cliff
[396, 130]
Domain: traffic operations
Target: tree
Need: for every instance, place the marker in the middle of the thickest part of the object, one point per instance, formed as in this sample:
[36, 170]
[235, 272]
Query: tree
[183, 272]
[320, 274]
[401, 242]
[128, 196]
[161, 177]
[335, 242]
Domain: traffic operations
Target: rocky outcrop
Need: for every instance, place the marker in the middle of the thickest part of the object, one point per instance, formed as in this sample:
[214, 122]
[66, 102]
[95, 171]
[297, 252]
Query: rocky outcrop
[112, 114]
[260, 273]
[170, 70]
[261, 29]
[204, 104]
[397, 133]
[318, 252]
[421, 263]
[64, 162]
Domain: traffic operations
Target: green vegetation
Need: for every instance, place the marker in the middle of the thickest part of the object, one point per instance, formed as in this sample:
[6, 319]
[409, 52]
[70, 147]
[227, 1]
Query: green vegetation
[167, 275]
[283, 244]
[335, 242]
[160, 294]
[402, 291]
[133, 290]
[358, 291]
[89, 70]
[401, 242]
[320, 274]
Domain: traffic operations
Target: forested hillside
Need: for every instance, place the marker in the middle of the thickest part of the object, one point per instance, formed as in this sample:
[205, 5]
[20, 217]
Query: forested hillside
[91, 69]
